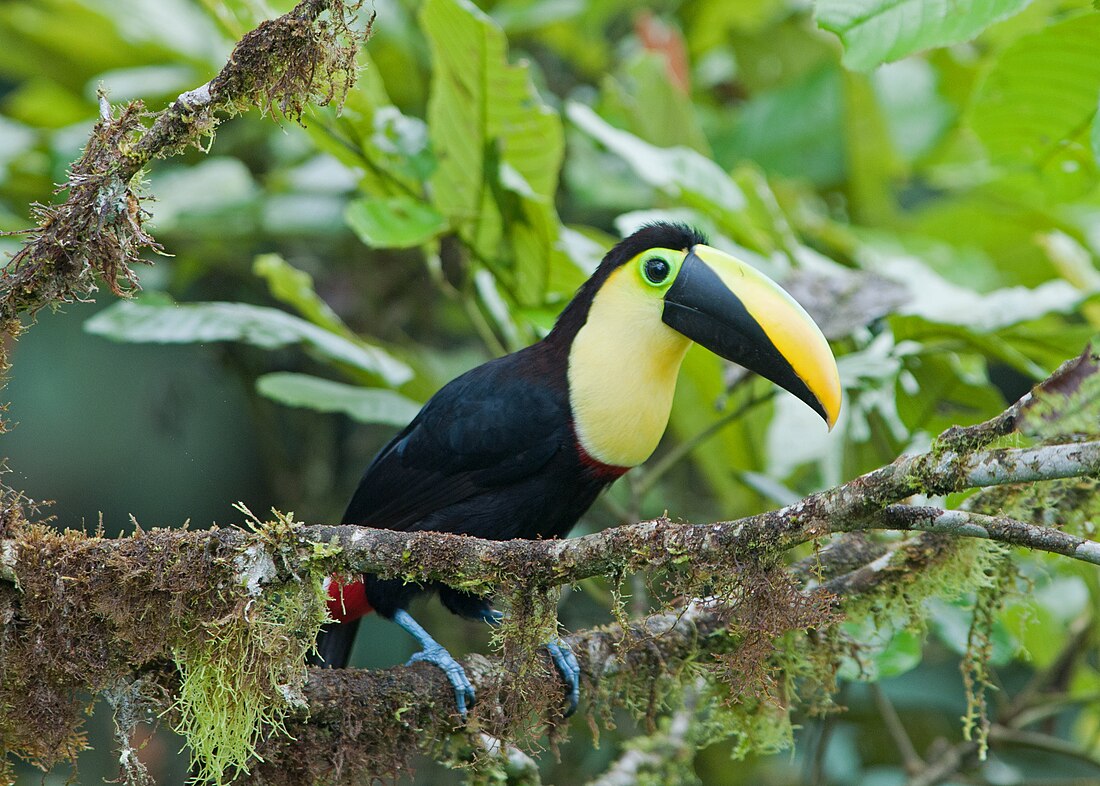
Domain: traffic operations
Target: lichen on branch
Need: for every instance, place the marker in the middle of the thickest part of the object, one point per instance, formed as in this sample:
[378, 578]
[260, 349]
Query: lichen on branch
[306, 55]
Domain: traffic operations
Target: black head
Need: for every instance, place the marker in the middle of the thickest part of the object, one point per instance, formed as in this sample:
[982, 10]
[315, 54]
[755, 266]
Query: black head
[660, 234]
[657, 235]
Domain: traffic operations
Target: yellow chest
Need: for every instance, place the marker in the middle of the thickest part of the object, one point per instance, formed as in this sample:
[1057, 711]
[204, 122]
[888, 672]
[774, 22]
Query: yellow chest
[623, 366]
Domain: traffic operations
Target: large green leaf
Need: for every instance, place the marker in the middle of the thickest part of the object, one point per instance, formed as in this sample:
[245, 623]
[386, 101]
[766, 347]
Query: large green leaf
[878, 31]
[294, 287]
[1038, 101]
[644, 99]
[796, 130]
[499, 146]
[1094, 136]
[937, 394]
[397, 222]
[215, 191]
[936, 299]
[269, 328]
[941, 313]
[367, 405]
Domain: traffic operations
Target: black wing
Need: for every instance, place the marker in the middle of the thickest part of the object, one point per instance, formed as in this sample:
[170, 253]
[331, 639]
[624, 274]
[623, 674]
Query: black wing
[489, 428]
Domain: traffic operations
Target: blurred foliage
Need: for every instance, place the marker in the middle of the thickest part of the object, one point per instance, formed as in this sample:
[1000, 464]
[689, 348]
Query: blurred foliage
[923, 174]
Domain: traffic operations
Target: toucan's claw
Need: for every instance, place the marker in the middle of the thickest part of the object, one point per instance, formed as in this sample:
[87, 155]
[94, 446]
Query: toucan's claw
[431, 651]
[464, 691]
[570, 670]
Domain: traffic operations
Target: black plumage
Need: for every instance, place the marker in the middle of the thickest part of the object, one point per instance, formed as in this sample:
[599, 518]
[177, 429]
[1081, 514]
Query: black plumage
[492, 454]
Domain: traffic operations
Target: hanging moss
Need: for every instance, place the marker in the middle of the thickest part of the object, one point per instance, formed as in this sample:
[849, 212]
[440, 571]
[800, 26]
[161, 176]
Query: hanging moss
[241, 679]
[89, 612]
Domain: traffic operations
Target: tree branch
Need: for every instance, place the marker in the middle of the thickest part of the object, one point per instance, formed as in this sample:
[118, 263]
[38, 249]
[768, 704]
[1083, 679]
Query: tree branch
[283, 63]
[371, 721]
[999, 528]
[863, 503]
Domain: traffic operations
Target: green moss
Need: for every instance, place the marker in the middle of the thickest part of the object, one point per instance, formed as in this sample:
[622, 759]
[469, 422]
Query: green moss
[240, 680]
[950, 567]
[979, 651]
[242, 675]
[238, 637]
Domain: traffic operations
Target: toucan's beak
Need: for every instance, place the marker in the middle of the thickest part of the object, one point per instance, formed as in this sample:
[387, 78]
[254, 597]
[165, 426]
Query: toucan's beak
[737, 312]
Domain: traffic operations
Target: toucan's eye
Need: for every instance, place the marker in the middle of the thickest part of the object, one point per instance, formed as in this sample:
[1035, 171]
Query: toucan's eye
[656, 270]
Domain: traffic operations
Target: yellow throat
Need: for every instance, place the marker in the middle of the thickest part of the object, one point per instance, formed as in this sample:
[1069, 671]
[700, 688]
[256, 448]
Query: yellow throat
[623, 366]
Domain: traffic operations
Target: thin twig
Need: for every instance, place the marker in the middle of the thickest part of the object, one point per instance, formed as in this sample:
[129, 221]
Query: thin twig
[910, 758]
[1004, 735]
[678, 453]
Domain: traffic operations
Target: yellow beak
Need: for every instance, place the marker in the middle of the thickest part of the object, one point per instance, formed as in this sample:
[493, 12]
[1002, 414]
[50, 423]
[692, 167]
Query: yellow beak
[737, 312]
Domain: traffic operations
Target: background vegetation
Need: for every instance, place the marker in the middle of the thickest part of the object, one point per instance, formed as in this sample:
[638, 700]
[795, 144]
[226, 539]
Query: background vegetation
[939, 214]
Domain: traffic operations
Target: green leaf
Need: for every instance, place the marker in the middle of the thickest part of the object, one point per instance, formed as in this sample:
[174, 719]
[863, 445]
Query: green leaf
[367, 405]
[944, 395]
[902, 654]
[1094, 136]
[938, 300]
[951, 623]
[879, 31]
[1041, 620]
[294, 287]
[916, 113]
[489, 125]
[937, 336]
[652, 106]
[15, 141]
[143, 82]
[873, 163]
[887, 650]
[397, 222]
[268, 328]
[1039, 100]
[699, 388]
[796, 130]
[215, 191]
[680, 172]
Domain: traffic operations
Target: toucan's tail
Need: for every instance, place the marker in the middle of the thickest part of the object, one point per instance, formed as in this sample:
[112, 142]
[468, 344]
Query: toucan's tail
[347, 603]
[334, 644]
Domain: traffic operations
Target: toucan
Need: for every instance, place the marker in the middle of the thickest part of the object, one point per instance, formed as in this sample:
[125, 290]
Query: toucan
[521, 446]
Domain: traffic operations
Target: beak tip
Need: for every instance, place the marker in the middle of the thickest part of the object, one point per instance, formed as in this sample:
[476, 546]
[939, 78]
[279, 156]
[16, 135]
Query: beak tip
[830, 407]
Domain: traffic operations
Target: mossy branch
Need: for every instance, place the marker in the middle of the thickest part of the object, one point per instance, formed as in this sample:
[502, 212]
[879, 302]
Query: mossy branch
[204, 599]
[378, 718]
[305, 55]
[859, 505]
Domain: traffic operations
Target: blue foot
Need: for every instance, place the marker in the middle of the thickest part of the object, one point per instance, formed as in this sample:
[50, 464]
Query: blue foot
[433, 652]
[570, 670]
[464, 691]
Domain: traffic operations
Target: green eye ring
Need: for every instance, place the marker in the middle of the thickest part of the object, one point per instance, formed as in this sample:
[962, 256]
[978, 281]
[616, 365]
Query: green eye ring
[656, 270]
[657, 267]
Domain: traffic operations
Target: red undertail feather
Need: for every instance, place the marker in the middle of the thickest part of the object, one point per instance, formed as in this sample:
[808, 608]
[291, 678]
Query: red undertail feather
[347, 602]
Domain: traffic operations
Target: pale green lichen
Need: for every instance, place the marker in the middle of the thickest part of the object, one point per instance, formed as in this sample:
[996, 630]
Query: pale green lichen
[241, 677]
[963, 565]
[979, 650]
